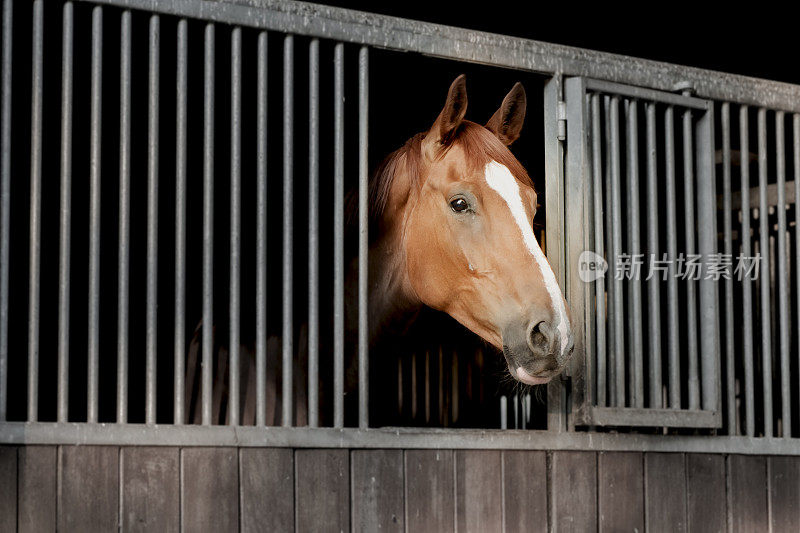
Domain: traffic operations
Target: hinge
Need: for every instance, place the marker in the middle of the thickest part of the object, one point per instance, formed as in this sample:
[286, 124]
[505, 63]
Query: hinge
[561, 115]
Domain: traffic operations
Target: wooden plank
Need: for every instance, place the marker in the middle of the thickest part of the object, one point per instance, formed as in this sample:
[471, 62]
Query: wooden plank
[479, 490]
[150, 488]
[525, 497]
[665, 491]
[573, 478]
[705, 482]
[377, 478]
[322, 490]
[430, 500]
[620, 486]
[8, 489]
[266, 475]
[210, 487]
[747, 478]
[88, 492]
[37, 488]
[784, 493]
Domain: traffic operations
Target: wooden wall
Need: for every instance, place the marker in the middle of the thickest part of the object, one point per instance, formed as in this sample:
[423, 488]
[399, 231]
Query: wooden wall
[93, 488]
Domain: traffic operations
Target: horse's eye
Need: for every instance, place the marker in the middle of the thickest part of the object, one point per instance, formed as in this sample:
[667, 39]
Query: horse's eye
[459, 205]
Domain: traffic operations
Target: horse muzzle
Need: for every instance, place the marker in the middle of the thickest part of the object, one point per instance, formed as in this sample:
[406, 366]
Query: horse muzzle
[534, 352]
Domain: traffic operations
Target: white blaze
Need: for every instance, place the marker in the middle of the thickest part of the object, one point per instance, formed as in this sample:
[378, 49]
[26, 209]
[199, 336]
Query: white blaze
[501, 180]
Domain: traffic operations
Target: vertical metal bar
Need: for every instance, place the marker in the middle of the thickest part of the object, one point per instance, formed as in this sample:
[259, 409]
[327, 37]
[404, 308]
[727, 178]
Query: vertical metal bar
[65, 208]
[730, 378]
[261, 234]
[782, 283]
[616, 229]
[288, 328]
[123, 252]
[689, 236]
[796, 142]
[313, 233]
[599, 284]
[338, 236]
[363, 242]
[94, 213]
[152, 221]
[747, 305]
[673, 323]
[654, 283]
[5, 200]
[236, 217]
[608, 237]
[208, 221]
[763, 236]
[35, 212]
[179, 416]
[635, 250]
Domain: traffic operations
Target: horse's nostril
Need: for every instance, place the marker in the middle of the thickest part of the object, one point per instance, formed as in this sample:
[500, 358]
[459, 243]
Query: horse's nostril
[539, 338]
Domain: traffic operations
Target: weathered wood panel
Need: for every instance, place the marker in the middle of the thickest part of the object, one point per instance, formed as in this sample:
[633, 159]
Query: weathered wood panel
[266, 489]
[150, 488]
[706, 501]
[322, 490]
[479, 491]
[620, 489]
[430, 496]
[747, 478]
[573, 496]
[377, 478]
[665, 491]
[88, 495]
[784, 493]
[8, 489]
[37, 488]
[525, 490]
[210, 488]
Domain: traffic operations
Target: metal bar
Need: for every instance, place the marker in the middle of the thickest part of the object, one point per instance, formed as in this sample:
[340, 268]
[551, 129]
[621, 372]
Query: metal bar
[363, 242]
[152, 220]
[635, 93]
[94, 214]
[599, 284]
[782, 283]
[236, 221]
[338, 236]
[181, 90]
[747, 305]
[634, 249]
[608, 237]
[616, 239]
[35, 211]
[763, 235]
[261, 234]
[287, 390]
[313, 233]
[796, 152]
[65, 210]
[689, 237]
[123, 251]
[654, 283]
[208, 221]
[730, 378]
[673, 322]
[5, 199]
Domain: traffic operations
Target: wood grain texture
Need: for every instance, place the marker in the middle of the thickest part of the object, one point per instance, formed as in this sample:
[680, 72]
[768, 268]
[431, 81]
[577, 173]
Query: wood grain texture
[747, 483]
[377, 478]
[525, 490]
[665, 491]
[784, 493]
[479, 491]
[88, 495]
[210, 488]
[322, 490]
[150, 488]
[706, 501]
[8, 489]
[430, 497]
[37, 488]
[573, 496]
[266, 489]
[620, 491]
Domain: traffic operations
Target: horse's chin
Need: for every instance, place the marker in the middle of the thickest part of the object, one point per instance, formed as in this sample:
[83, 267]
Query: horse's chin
[524, 377]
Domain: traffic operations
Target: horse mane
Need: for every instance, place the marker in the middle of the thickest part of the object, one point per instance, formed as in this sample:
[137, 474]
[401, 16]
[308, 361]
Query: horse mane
[479, 144]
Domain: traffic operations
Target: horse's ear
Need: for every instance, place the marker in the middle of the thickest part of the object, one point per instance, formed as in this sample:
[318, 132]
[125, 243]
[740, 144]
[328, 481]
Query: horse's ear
[507, 121]
[451, 116]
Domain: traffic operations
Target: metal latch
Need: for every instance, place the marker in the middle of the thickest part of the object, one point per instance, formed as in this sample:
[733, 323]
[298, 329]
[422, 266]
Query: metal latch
[561, 116]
